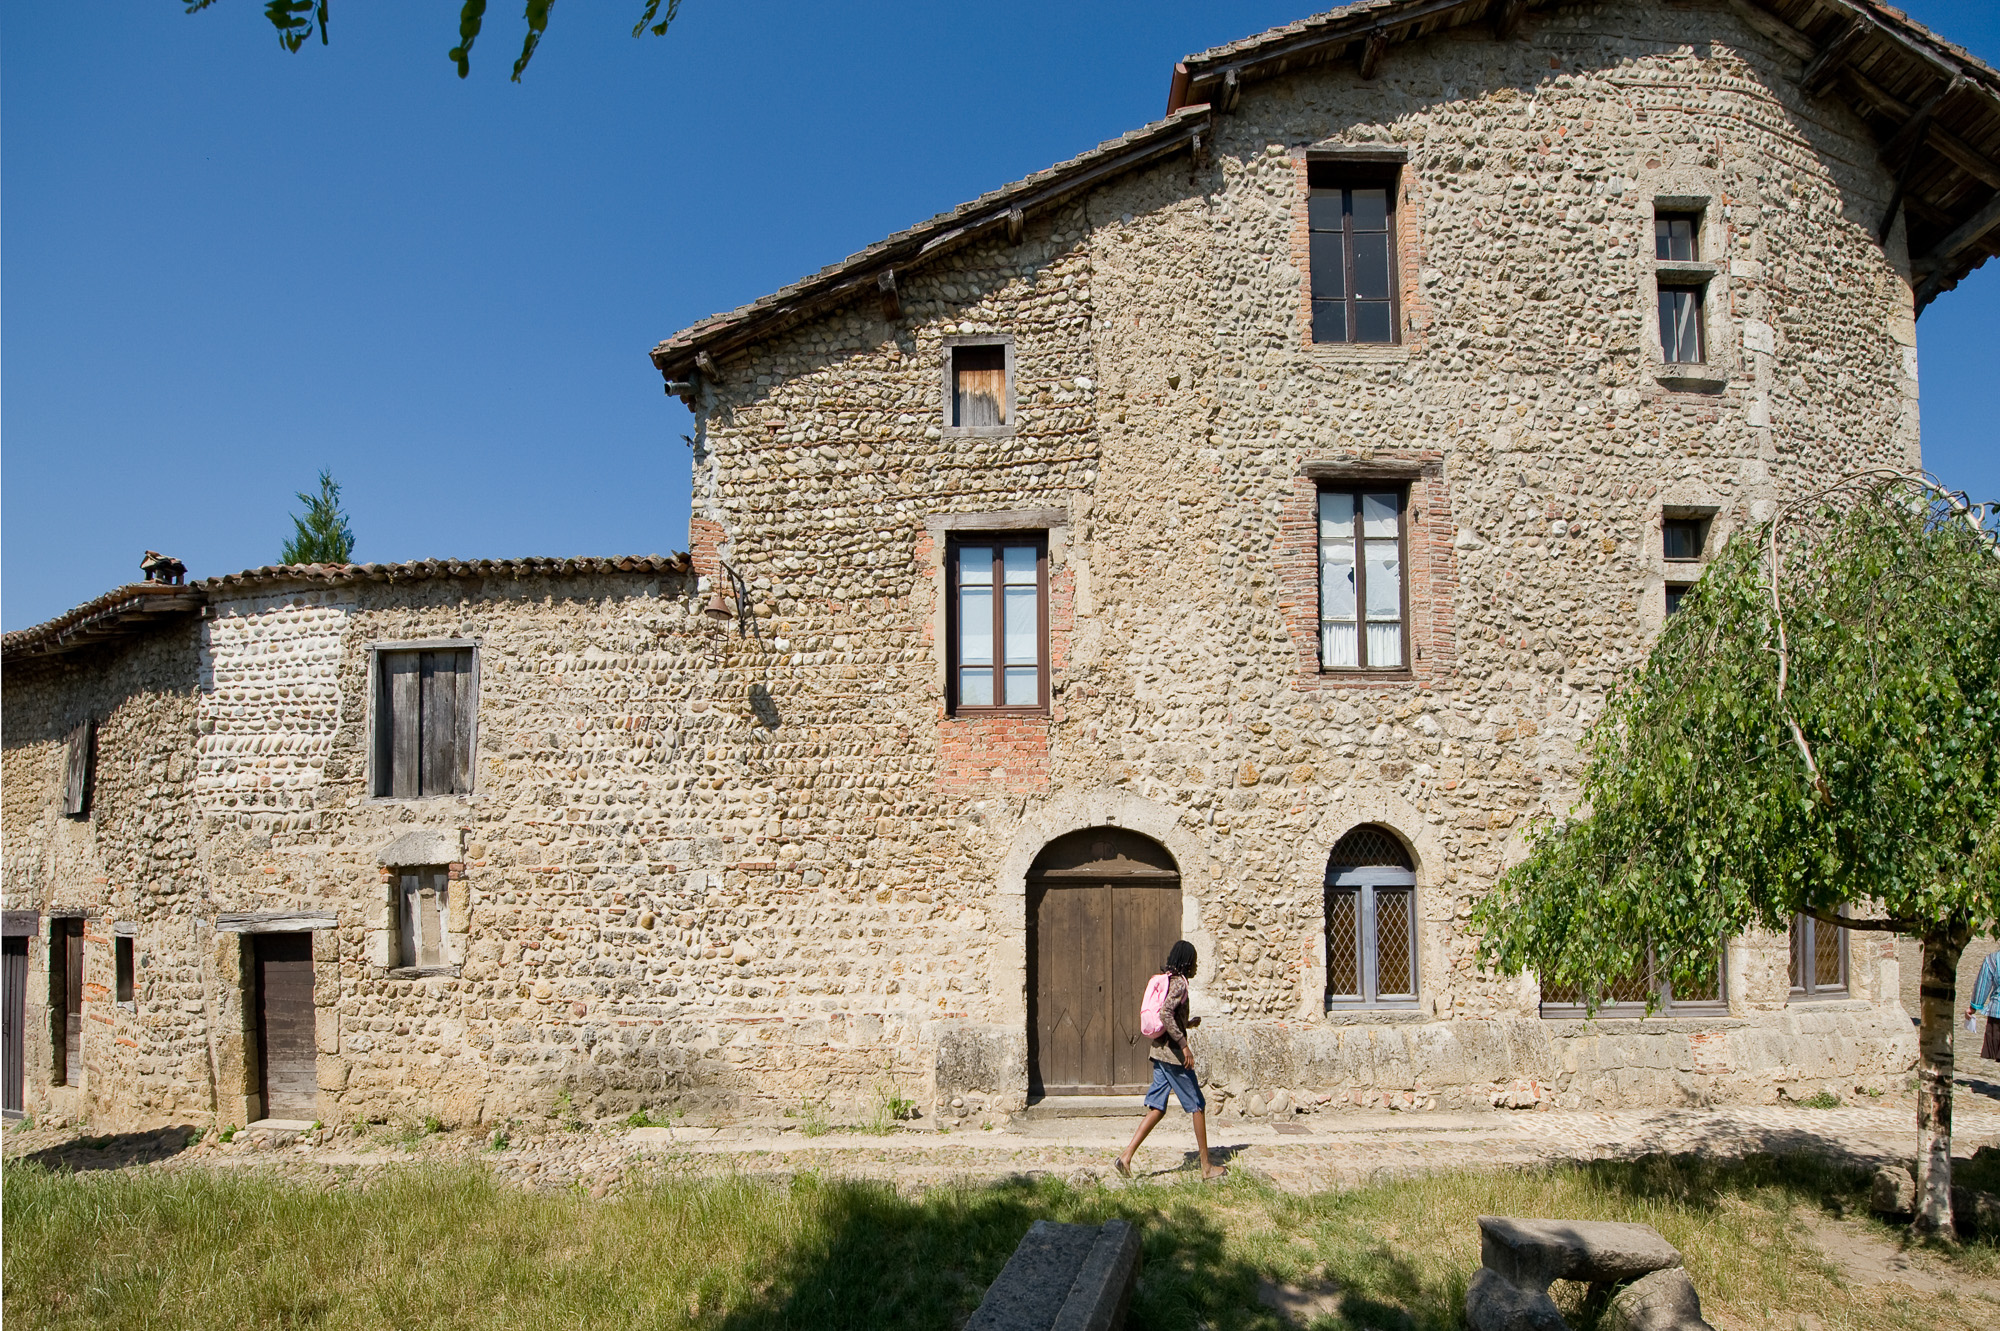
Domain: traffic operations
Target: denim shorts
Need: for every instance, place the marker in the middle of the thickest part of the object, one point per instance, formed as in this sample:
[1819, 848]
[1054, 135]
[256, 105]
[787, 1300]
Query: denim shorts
[1173, 1077]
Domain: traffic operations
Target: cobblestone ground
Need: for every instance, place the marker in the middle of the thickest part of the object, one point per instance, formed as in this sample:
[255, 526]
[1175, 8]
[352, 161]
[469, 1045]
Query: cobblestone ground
[1305, 1153]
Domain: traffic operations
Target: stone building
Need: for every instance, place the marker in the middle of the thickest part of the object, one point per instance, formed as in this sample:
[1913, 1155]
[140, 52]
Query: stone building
[1227, 533]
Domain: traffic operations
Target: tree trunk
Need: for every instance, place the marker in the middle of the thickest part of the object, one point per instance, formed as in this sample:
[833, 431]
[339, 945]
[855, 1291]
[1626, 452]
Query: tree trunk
[1939, 1012]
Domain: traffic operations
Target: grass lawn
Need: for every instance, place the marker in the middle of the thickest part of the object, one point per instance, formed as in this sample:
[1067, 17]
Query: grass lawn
[441, 1248]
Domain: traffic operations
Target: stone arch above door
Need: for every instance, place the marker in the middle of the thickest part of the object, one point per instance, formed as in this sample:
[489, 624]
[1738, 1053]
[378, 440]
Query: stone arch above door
[1071, 813]
[1103, 908]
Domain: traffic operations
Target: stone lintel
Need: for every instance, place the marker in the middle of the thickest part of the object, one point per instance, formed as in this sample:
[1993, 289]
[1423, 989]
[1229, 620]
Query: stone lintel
[425, 847]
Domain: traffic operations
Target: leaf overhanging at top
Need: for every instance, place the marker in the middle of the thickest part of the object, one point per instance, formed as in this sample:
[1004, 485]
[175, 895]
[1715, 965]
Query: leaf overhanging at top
[295, 21]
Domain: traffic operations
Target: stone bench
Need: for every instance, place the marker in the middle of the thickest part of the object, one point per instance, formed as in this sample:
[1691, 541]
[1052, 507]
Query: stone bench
[1064, 1278]
[1510, 1291]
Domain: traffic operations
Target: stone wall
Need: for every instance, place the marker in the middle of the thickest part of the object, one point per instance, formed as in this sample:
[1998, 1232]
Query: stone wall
[748, 860]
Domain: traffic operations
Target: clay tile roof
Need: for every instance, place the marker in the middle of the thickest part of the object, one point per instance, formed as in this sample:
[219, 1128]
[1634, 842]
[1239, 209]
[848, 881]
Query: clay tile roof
[132, 610]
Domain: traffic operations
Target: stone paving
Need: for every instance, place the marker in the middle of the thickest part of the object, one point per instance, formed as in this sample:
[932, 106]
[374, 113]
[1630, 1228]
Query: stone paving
[1309, 1152]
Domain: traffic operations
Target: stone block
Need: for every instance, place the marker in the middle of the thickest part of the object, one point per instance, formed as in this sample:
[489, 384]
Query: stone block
[422, 847]
[1493, 1303]
[1663, 1301]
[1063, 1278]
[1894, 1191]
[1532, 1252]
[1973, 1212]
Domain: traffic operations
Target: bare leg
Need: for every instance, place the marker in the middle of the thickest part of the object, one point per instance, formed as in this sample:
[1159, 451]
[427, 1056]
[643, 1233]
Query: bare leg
[1201, 1145]
[1146, 1125]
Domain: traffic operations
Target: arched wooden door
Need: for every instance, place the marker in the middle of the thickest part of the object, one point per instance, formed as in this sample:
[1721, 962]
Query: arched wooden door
[1104, 905]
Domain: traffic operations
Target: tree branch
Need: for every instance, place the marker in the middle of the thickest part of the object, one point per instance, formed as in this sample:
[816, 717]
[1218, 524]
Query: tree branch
[1894, 924]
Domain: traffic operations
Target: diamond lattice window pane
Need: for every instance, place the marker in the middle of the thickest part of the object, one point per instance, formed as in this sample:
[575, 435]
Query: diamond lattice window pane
[1343, 943]
[1394, 971]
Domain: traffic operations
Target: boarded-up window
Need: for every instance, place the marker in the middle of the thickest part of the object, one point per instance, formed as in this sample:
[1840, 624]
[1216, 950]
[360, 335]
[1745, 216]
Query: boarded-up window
[424, 912]
[978, 386]
[425, 705]
[80, 764]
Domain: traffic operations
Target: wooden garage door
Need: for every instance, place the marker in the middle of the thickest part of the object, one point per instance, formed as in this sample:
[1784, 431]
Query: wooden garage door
[285, 1039]
[1103, 910]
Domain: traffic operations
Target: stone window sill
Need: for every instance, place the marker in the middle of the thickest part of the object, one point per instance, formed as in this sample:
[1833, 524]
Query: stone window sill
[1360, 353]
[421, 972]
[1664, 1021]
[1691, 378]
[978, 432]
[1378, 1016]
[1841, 1002]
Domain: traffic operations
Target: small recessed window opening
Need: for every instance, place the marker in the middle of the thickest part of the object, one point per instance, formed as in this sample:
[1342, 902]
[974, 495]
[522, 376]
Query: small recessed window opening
[979, 386]
[121, 951]
[1676, 240]
[1819, 959]
[1351, 216]
[1676, 593]
[1682, 538]
[423, 911]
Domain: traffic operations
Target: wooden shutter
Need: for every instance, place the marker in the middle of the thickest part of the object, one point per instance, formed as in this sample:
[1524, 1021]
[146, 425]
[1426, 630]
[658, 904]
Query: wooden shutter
[426, 705]
[76, 783]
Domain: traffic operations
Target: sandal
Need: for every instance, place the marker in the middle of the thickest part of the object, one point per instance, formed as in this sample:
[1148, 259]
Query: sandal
[1221, 1173]
[1124, 1170]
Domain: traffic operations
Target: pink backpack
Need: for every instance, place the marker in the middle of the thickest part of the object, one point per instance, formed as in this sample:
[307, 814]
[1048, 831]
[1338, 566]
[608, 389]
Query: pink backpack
[1150, 1024]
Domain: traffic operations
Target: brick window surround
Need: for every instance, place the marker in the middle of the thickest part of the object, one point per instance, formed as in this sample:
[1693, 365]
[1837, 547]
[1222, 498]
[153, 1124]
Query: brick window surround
[1363, 163]
[1430, 574]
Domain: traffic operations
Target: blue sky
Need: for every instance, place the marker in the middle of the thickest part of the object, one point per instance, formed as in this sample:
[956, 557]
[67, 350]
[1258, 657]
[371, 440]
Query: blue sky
[227, 267]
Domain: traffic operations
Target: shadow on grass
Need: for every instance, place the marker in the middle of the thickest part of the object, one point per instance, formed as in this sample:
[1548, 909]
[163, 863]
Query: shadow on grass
[114, 1151]
[880, 1259]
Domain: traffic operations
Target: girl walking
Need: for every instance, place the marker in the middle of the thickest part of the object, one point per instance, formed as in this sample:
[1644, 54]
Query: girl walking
[1173, 1066]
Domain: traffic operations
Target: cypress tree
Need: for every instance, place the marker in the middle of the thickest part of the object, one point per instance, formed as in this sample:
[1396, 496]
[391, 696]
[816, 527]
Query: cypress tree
[323, 536]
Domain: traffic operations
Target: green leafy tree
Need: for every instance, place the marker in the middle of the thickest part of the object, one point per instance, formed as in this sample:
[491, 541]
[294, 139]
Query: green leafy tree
[323, 536]
[297, 21]
[1817, 732]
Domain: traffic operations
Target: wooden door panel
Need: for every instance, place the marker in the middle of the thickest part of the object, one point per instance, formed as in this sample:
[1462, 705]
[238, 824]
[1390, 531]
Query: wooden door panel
[14, 1004]
[286, 1040]
[1146, 923]
[1095, 946]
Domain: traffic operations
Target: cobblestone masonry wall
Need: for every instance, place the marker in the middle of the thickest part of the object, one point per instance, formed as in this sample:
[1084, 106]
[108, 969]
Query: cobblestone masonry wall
[709, 862]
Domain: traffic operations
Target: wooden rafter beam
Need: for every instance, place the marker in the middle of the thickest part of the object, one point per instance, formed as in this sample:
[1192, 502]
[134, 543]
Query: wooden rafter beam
[1821, 70]
[1943, 141]
[1506, 16]
[1373, 48]
[1973, 235]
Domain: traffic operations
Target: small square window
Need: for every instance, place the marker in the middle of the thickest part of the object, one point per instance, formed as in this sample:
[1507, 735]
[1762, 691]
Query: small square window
[1683, 538]
[121, 953]
[1819, 959]
[1351, 217]
[978, 387]
[1676, 237]
[1676, 593]
[426, 703]
[999, 628]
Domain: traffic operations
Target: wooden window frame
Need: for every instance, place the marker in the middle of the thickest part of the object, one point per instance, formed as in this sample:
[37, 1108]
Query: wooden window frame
[1805, 986]
[1689, 273]
[954, 541]
[379, 774]
[1658, 984]
[1364, 881]
[949, 386]
[1401, 489]
[1326, 175]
